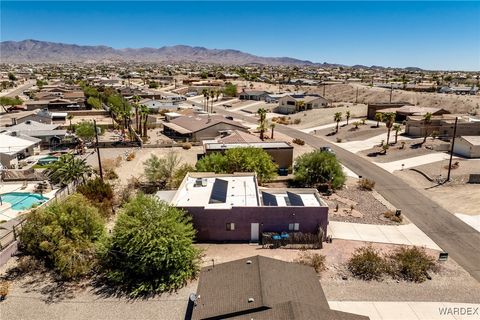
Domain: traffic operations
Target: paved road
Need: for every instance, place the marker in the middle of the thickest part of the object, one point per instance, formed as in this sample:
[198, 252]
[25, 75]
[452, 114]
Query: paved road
[19, 90]
[460, 240]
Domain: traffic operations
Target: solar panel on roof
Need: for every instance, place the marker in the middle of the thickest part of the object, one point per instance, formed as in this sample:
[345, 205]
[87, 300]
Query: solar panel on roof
[295, 199]
[219, 191]
[269, 199]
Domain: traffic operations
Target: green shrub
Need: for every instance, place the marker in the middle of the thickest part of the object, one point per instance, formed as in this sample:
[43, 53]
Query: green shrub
[240, 160]
[319, 168]
[411, 264]
[100, 194]
[151, 249]
[314, 260]
[367, 264]
[65, 235]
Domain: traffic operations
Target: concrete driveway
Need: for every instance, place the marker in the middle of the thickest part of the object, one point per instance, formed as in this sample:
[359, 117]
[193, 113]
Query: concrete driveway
[407, 234]
[357, 146]
[471, 220]
[414, 161]
[409, 310]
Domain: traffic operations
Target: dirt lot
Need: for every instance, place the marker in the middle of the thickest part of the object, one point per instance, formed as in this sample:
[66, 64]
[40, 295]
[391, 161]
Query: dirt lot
[456, 196]
[347, 93]
[134, 168]
[349, 133]
[412, 148]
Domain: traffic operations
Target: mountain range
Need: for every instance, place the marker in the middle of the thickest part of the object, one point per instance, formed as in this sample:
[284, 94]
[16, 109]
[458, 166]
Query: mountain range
[35, 51]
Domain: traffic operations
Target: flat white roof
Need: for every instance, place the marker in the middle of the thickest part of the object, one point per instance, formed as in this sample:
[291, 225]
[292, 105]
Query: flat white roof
[263, 145]
[217, 192]
[11, 144]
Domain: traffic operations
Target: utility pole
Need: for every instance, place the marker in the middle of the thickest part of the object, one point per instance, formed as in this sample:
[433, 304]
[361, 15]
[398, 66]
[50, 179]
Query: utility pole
[98, 150]
[391, 92]
[324, 90]
[356, 97]
[451, 148]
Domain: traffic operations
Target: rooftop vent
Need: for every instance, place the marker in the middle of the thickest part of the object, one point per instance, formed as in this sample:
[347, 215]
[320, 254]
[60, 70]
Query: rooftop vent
[250, 300]
[249, 261]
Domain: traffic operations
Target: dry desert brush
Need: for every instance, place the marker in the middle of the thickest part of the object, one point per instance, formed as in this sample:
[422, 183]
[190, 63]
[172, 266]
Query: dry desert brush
[367, 263]
[411, 264]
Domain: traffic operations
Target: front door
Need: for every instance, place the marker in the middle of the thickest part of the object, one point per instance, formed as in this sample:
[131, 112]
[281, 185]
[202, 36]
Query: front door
[254, 232]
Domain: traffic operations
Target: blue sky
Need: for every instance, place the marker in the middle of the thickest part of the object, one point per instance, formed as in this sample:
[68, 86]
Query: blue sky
[431, 35]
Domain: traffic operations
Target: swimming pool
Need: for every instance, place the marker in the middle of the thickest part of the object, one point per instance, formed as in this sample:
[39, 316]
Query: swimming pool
[23, 200]
[47, 160]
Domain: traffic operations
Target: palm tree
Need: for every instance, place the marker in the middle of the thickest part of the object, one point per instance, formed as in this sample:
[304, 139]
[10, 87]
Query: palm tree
[262, 122]
[347, 115]
[67, 169]
[272, 126]
[136, 100]
[427, 119]
[69, 118]
[378, 118]
[144, 111]
[212, 96]
[396, 128]
[205, 99]
[337, 118]
[217, 94]
[389, 120]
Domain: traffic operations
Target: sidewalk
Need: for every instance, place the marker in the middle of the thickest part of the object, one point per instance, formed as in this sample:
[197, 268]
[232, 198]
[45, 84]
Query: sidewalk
[357, 146]
[407, 234]
[471, 220]
[409, 310]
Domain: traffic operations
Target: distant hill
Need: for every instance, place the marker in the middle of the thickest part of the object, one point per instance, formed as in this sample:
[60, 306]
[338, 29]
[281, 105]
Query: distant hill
[34, 51]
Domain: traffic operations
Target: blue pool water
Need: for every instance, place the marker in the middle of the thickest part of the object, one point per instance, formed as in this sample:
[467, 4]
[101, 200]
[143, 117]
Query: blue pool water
[23, 200]
[47, 160]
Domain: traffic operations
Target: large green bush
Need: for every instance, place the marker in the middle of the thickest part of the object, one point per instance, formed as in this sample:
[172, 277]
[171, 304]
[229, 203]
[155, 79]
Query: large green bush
[151, 249]
[319, 168]
[240, 160]
[65, 235]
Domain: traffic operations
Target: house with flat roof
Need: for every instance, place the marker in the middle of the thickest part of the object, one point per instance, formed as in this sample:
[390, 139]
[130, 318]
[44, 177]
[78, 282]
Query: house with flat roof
[261, 288]
[49, 134]
[199, 127]
[405, 111]
[467, 146]
[15, 147]
[442, 124]
[294, 103]
[232, 207]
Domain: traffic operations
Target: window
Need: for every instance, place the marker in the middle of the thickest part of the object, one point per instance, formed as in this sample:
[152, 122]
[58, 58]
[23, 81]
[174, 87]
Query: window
[230, 226]
[293, 226]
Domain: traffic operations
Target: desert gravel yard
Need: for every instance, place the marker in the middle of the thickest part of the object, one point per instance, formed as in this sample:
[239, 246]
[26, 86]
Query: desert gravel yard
[411, 149]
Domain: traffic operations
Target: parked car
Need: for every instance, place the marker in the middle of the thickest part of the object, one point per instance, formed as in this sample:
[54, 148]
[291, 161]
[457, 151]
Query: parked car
[327, 149]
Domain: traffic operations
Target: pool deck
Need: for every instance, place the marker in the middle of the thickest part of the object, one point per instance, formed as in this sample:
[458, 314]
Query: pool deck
[6, 212]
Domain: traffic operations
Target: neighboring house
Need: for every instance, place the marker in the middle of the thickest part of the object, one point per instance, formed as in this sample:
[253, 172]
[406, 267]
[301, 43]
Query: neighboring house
[281, 152]
[261, 288]
[405, 111]
[13, 118]
[253, 95]
[14, 148]
[443, 125]
[295, 103]
[199, 127]
[373, 108]
[59, 104]
[230, 207]
[47, 133]
[467, 146]
[157, 105]
[459, 90]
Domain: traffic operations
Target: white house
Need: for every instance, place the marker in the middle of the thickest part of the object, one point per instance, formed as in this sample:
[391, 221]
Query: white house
[14, 148]
[467, 146]
[295, 103]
